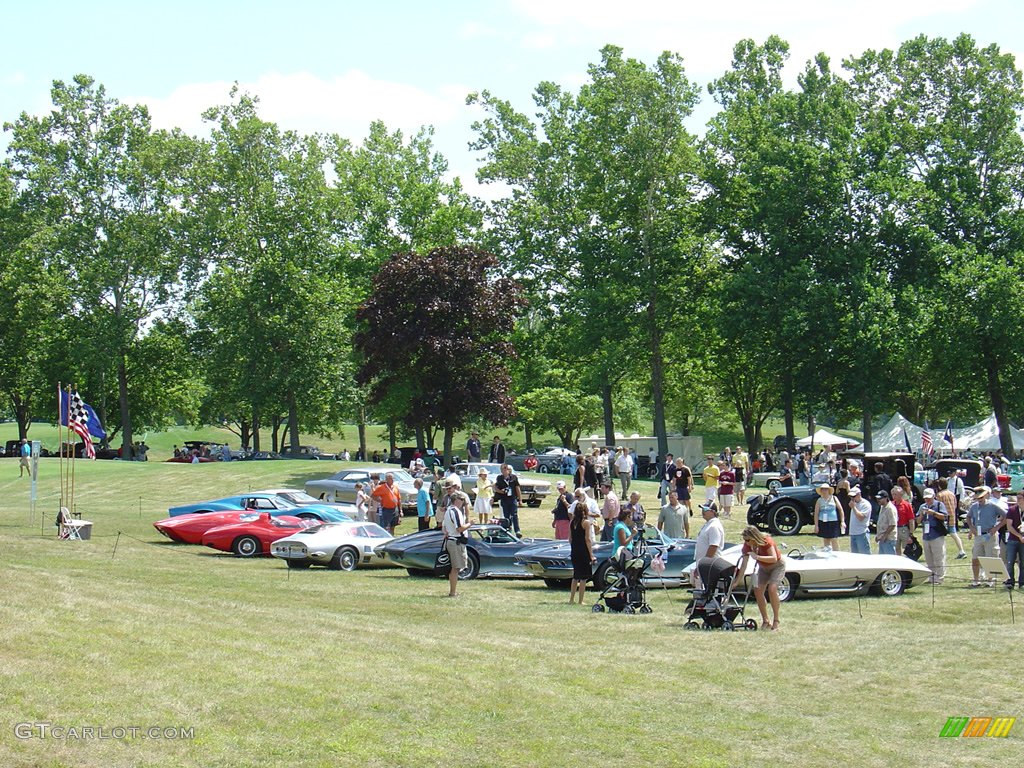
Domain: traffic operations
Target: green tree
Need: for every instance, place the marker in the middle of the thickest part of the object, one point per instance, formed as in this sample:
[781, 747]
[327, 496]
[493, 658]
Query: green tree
[945, 156]
[601, 206]
[110, 187]
[270, 320]
[566, 412]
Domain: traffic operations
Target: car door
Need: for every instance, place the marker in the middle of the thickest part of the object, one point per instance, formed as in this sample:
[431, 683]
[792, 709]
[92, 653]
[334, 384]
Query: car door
[497, 549]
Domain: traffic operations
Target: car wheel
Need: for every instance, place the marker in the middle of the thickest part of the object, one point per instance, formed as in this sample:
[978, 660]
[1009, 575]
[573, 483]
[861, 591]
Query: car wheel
[472, 569]
[345, 559]
[774, 485]
[557, 583]
[543, 469]
[787, 589]
[298, 564]
[419, 572]
[890, 584]
[246, 546]
[533, 503]
[785, 519]
[603, 576]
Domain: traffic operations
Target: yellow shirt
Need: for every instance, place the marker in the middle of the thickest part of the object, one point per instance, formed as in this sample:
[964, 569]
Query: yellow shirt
[711, 472]
[484, 488]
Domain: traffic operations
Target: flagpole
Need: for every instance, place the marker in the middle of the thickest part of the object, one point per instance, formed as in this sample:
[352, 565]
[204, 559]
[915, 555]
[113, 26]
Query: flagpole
[71, 508]
[60, 447]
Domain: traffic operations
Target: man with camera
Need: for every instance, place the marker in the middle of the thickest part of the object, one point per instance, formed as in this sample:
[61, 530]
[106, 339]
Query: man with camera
[510, 496]
[455, 524]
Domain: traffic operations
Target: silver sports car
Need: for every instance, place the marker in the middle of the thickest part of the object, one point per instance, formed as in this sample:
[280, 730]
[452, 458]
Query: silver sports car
[339, 546]
[341, 486]
[822, 572]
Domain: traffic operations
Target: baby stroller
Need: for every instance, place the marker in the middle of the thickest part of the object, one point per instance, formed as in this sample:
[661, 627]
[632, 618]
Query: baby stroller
[714, 606]
[627, 593]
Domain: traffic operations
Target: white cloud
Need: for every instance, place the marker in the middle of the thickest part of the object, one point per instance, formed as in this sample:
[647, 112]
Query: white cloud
[539, 40]
[345, 104]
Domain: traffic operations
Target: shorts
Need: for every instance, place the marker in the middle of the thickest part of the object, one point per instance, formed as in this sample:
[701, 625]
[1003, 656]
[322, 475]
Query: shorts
[387, 517]
[684, 493]
[727, 500]
[828, 529]
[985, 546]
[771, 574]
[903, 537]
[457, 552]
[710, 492]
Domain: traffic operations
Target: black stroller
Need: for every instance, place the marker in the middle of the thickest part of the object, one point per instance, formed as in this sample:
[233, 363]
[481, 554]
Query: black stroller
[627, 593]
[714, 605]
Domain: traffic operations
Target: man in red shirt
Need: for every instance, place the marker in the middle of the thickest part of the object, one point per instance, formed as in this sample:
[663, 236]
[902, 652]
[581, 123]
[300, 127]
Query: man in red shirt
[904, 519]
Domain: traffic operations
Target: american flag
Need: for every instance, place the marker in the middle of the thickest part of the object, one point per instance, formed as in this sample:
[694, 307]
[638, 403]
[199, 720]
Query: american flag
[926, 441]
[75, 414]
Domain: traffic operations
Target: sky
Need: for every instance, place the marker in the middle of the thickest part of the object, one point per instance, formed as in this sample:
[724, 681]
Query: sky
[334, 66]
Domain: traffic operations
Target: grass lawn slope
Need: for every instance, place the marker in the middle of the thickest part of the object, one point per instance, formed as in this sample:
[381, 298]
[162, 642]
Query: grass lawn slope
[315, 668]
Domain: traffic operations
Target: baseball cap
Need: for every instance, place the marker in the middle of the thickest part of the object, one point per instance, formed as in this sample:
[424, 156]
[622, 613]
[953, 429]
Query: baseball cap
[981, 490]
[855, 490]
[882, 495]
[560, 484]
[929, 493]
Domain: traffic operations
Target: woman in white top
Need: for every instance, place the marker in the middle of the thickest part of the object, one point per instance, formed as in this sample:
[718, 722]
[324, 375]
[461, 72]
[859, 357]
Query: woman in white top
[362, 500]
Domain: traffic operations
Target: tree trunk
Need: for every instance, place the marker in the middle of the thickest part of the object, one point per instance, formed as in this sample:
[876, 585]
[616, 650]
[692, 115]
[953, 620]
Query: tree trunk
[528, 434]
[391, 438]
[995, 394]
[126, 417]
[255, 429]
[609, 415]
[865, 425]
[811, 423]
[361, 429]
[449, 435]
[21, 415]
[293, 423]
[244, 433]
[758, 439]
[750, 433]
[275, 426]
[657, 378]
[685, 421]
[787, 408]
[419, 438]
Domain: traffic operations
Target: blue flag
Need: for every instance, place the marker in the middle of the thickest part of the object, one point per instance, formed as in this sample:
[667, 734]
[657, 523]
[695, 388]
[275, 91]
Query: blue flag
[948, 434]
[79, 412]
[906, 441]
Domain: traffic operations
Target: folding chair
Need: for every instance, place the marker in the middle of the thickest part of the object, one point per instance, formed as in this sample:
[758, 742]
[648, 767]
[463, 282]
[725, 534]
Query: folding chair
[68, 528]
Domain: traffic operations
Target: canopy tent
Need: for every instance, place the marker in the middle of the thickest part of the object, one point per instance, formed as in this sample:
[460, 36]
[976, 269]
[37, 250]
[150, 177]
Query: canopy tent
[983, 436]
[826, 438]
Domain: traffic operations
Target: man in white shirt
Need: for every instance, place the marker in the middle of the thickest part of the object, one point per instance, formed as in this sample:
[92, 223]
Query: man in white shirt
[711, 537]
[624, 469]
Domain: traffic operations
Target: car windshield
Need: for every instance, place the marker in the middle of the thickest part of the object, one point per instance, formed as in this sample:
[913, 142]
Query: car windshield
[297, 497]
[494, 535]
[316, 528]
[372, 531]
[474, 469]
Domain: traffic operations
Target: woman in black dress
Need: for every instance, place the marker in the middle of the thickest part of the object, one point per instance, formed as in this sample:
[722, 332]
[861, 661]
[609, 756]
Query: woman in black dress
[582, 551]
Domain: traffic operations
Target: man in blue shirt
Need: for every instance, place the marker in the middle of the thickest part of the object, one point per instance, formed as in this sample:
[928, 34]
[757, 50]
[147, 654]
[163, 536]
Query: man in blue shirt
[26, 451]
[984, 519]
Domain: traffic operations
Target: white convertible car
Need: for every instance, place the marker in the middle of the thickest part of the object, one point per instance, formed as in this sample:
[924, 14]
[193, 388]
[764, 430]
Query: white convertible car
[822, 572]
[339, 546]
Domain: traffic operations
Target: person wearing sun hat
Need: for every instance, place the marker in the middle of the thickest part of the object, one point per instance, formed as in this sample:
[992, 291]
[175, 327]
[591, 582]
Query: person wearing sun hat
[828, 517]
[931, 516]
[984, 519]
[484, 495]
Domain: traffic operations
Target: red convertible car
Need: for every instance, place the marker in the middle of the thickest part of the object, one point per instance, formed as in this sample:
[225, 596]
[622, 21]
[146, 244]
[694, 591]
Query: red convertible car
[189, 529]
[250, 538]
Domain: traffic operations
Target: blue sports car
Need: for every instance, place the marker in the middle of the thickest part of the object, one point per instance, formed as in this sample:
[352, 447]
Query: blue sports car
[264, 502]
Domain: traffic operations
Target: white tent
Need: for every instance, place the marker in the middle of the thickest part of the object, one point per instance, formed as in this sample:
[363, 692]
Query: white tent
[824, 437]
[983, 436]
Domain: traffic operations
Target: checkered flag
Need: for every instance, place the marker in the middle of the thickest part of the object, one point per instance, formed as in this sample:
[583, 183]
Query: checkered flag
[76, 415]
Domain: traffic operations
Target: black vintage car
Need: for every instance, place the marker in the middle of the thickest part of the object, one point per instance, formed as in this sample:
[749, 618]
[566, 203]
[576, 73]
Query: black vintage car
[784, 511]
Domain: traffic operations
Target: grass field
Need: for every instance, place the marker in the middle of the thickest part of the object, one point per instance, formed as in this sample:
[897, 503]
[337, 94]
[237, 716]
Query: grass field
[373, 668]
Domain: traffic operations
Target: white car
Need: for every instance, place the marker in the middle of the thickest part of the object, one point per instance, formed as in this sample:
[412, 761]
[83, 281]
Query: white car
[823, 573]
[339, 546]
[769, 480]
